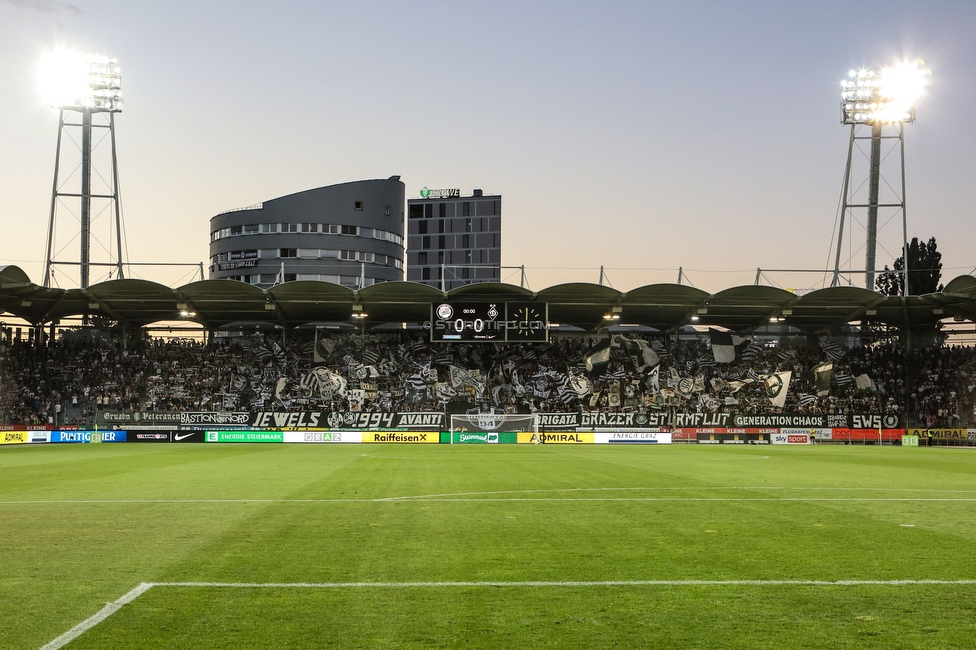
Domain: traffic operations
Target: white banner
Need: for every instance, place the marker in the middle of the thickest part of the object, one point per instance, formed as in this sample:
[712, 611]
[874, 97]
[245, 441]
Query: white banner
[645, 436]
[323, 436]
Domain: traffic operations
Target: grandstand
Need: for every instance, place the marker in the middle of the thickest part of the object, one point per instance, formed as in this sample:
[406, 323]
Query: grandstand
[668, 356]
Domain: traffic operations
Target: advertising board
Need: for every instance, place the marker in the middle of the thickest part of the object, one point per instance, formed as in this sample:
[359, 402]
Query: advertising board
[150, 436]
[85, 436]
[633, 436]
[244, 436]
[40, 436]
[790, 437]
[323, 436]
[909, 441]
[14, 437]
[404, 437]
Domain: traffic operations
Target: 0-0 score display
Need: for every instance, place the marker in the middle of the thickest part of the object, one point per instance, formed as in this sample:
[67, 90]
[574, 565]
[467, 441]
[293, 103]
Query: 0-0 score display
[489, 322]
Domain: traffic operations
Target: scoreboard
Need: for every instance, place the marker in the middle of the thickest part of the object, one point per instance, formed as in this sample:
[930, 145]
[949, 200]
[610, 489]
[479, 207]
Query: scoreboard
[489, 322]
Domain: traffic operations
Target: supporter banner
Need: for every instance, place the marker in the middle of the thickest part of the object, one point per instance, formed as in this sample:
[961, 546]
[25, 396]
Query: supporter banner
[149, 436]
[873, 422]
[245, 436]
[139, 417]
[216, 418]
[85, 436]
[410, 437]
[323, 436]
[779, 421]
[590, 420]
[40, 436]
[632, 436]
[940, 434]
[14, 437]
[348, 420]
[790, 437]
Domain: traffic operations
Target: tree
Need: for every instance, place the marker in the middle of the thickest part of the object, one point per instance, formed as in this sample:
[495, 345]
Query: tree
[924, 271]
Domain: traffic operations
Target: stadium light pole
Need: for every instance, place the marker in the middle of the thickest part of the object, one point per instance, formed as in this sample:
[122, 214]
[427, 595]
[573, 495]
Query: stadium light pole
[884, 102]
[87, 85]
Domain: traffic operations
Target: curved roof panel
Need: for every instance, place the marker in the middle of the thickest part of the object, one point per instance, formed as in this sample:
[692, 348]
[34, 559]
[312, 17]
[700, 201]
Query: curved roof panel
[743, 309]
[663, 306]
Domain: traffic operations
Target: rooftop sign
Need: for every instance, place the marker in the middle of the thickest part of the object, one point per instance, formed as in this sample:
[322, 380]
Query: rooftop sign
[440, 194]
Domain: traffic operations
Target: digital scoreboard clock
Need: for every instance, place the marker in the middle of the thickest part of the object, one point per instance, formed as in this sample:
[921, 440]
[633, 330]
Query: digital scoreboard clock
[489, 322]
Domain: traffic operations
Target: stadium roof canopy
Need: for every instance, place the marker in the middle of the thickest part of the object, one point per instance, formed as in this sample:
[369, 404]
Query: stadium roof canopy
[218, 304]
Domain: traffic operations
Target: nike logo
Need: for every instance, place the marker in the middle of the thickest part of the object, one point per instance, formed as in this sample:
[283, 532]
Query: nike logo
[177, 437]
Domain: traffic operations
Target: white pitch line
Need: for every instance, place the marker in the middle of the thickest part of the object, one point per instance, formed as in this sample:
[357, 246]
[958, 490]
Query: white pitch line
[475, 499]
[113, 607]
[92, 621]
[560, 583]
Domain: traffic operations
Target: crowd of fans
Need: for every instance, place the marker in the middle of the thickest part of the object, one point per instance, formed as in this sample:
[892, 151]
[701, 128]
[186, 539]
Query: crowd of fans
[70, 380]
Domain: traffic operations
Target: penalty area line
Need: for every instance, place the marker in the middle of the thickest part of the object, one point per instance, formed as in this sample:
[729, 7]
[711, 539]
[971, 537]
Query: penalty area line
[111, 608]
[92, 621]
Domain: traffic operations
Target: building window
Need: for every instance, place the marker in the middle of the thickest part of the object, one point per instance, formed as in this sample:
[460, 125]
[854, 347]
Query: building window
[287, 252]
[289, 227]
[422, 259]
[425, 273]
[465, 241]
[425, 242]
[269, 227]
[466, 209]
[467, 257]
[386, 210]
[442, 242]
[310, 227]
[440, 257]
[236, 230]
[440, 225]
[252, 228]
[428, 210]
[422, 227]
[290, 277]
[359, 205]
[468, 225]
[441, 210]
[416, 211]
[349, 230]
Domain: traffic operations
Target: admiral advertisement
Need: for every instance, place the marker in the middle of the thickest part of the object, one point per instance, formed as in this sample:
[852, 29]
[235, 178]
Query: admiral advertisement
[14, 437]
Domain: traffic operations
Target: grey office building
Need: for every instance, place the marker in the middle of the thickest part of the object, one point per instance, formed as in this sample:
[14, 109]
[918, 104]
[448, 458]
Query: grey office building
[349, 234]
[453, 240]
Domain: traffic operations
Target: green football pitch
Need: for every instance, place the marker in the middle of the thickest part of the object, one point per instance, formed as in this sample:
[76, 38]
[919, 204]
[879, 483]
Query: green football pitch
[435, 546]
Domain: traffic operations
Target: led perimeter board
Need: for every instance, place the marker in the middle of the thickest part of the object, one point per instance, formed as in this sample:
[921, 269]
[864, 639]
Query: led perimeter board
[489, 322]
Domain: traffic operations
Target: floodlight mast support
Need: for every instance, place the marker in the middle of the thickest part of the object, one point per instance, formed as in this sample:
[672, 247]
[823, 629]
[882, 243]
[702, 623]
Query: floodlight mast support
[881, 102]
[104, 87]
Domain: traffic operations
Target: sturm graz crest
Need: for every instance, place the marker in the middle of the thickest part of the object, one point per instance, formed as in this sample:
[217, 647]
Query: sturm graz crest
[335, 419]
[890, 421]
[487, 420]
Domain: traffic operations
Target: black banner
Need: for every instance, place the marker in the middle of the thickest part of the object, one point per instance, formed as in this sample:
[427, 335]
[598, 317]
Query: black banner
[424, 421]
[138, 417]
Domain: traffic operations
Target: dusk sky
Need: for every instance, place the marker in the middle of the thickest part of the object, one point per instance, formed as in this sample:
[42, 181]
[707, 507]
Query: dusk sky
[641, 136]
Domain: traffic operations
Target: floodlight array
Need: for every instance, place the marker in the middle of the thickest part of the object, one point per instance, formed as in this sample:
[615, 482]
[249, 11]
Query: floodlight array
[74, 82]
[887, 97]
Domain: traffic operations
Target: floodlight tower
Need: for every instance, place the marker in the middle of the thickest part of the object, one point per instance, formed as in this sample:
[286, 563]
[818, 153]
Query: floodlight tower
[89, 86]
[883, 102]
